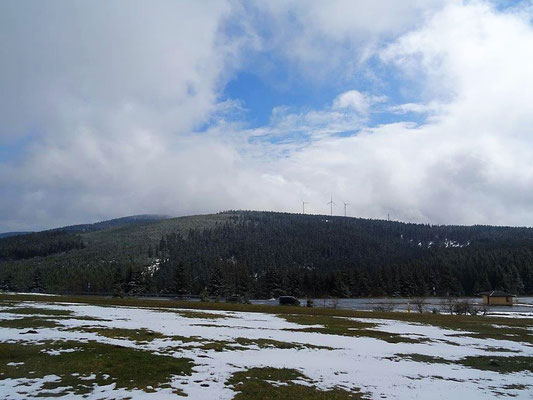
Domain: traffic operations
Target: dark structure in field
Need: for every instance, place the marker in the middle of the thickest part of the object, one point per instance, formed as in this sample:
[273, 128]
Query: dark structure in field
[288, 301]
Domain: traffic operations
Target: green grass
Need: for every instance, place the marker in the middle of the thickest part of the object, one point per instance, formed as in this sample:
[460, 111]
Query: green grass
[269, 343]
[37, 322]
[420, 358]
[132, 368]
[238, 344]
[473, 326]
[28, 323]
[40, 311]
[501, 364]
[346, 327]
[186, 339]
[200, 343]
[220, 345]
[127, 368]
[498, 349]
[516, 387]
[277, 384]
[201, 315]
[137, 335]
[245, 344]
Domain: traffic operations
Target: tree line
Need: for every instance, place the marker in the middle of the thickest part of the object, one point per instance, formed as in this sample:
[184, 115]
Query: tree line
[39, 244]
[263, 255]
[268, 254]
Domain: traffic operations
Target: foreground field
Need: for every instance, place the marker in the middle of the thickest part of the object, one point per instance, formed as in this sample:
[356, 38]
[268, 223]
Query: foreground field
[115, 349]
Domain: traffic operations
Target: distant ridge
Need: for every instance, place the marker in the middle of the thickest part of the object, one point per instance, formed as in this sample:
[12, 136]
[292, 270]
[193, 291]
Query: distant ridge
[9, 234]
[96, 226]
[113, 223]
[264, 253]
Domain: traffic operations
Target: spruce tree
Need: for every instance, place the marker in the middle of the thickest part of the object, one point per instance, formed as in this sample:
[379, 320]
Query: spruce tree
[181, 286]
[118, 289]
[216, 286]
[37, 285]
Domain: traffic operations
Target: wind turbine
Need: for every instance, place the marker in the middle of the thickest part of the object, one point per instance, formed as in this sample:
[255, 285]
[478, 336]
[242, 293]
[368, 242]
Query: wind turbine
[331, 205]
[303, 206]
[345, 204]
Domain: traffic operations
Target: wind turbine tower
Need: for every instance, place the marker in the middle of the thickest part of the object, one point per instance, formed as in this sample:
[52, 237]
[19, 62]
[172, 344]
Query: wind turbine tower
[303, 206]
[345, 204]
[331, 205]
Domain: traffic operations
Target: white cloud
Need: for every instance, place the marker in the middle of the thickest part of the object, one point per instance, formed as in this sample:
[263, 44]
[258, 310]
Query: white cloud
[334, 38]
[114, 96]
[357, 101]
[110, 94]
[418, 108]
[470, 163]
[69, 64]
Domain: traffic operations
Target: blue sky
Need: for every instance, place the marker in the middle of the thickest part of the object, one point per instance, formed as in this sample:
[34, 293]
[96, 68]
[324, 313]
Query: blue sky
[260, 94]
[415, 109]
[260, 90]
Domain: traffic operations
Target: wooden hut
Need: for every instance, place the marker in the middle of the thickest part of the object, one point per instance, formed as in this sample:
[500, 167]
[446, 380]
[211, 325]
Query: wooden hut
[497, 298]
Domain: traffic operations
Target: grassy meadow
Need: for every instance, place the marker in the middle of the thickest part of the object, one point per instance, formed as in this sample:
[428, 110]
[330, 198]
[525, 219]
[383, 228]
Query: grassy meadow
[64, 346]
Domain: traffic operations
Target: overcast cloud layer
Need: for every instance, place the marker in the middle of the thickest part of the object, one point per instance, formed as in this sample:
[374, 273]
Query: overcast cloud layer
[117, 108]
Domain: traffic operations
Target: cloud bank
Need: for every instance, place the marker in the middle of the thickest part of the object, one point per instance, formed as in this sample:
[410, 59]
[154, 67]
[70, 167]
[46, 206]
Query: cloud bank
[118, 108]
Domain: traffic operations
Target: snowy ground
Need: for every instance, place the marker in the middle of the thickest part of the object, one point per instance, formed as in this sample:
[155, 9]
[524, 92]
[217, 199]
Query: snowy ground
[370, 365]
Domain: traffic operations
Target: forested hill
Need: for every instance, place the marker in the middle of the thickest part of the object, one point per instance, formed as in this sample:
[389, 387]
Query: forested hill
[23, 245]
[114, 223]
[9, 234]
[263, 254]
[96, 226]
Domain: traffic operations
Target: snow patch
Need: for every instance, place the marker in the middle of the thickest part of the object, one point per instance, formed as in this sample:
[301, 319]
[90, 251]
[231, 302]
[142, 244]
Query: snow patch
[365, 363]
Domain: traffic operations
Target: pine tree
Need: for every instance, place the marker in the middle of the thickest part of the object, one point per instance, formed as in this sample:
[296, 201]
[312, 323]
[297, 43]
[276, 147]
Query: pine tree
[216, 286]
[37, 285]
[9, 284]
[340, 289]
[272, 283]
[243, 283]
[118, 289]
[136, 284]
[292, 283]
[128, 279]
[181, 285]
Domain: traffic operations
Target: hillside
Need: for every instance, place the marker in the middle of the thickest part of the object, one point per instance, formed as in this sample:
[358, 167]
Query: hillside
[9, 234]
[38, 244]
[262, 254]
[114, 223]
[103, 249]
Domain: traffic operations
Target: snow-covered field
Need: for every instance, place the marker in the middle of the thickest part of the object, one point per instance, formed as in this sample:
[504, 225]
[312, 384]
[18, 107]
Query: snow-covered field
[375, 367]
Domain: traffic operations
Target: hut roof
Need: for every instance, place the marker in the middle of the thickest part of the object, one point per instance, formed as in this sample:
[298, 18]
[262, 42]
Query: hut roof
[497, 293]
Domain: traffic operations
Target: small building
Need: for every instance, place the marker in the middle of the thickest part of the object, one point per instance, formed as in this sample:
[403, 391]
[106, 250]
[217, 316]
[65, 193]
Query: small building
[497, 298]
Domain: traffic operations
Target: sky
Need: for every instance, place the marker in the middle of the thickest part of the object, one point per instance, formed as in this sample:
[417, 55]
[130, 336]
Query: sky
[422, 110]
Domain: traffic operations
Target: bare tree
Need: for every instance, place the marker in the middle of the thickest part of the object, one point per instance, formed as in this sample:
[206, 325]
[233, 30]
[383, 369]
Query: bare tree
[334, 302]
[387, 306]
[419, 304]
[448, 305]
[478, 309]
[463, 307]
